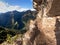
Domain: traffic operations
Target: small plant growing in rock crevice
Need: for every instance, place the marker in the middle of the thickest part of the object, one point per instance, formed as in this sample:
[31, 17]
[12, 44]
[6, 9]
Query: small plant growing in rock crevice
[16, 38]
[8, 39]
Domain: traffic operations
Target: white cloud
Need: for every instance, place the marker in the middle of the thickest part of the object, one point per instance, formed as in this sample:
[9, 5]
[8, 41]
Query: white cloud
[32, 9]
[5, 7]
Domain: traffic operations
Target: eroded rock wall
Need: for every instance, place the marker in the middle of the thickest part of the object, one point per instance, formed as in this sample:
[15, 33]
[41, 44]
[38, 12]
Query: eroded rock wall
[47, 23]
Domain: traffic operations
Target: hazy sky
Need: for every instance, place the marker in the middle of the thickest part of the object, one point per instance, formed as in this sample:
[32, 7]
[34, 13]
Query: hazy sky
[20, 5]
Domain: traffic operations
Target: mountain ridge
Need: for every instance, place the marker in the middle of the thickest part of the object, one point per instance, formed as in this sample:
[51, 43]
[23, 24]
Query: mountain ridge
[6, 18]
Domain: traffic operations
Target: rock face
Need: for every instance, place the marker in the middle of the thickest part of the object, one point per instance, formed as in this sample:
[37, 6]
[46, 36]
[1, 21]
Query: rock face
[47, 24]
[55, 8]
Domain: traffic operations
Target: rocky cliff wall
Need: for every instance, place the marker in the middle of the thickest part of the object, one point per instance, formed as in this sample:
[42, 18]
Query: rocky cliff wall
[47, 23]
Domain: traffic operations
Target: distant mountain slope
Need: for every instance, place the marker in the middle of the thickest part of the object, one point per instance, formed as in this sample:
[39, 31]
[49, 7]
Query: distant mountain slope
[6, 18]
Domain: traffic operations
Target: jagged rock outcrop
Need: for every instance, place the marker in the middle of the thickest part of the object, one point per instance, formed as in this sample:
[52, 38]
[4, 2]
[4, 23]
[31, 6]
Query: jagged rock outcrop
[47, 24]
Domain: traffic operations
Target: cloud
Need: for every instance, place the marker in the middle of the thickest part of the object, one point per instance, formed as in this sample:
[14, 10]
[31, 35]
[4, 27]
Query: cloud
[5, 7]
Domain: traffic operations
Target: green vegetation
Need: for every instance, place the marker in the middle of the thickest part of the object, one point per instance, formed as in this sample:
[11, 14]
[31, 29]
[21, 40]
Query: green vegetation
[3, 34]
[7, 34]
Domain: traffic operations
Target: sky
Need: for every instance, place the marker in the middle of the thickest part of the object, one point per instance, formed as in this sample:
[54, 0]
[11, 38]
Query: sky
[19, 5]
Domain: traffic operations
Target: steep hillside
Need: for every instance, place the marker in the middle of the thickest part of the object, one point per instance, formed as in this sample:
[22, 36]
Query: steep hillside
[6, 18]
